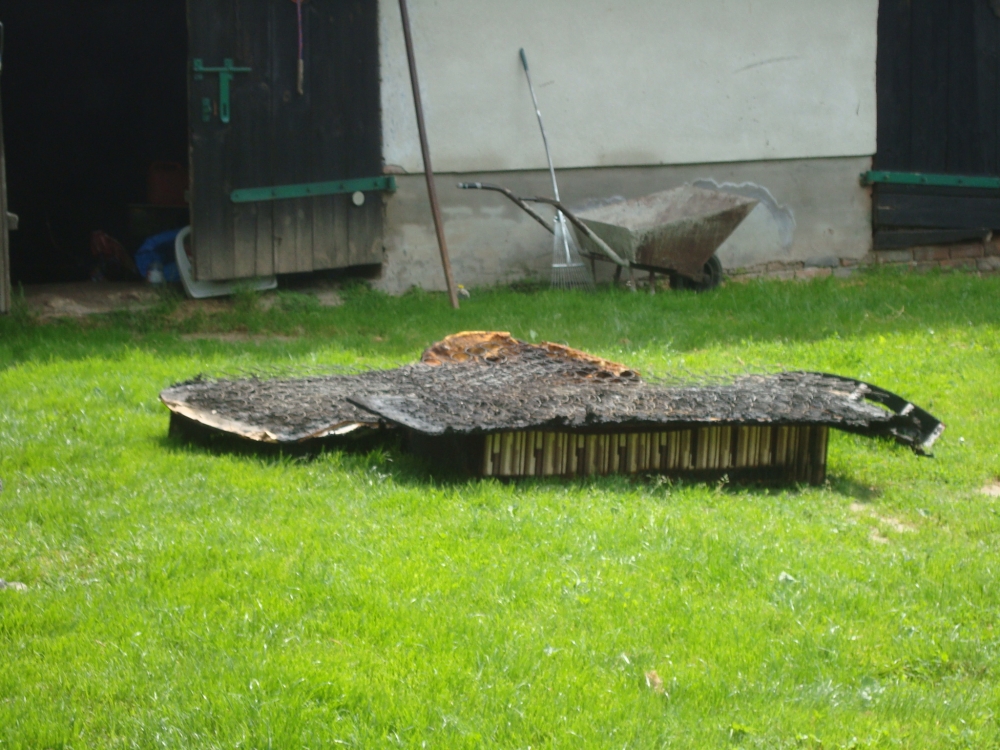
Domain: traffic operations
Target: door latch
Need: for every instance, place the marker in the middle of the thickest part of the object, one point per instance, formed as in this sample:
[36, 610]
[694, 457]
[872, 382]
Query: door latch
[225, 77]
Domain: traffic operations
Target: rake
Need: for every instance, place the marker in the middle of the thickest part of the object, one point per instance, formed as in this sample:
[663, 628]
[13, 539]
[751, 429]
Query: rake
[568, 269]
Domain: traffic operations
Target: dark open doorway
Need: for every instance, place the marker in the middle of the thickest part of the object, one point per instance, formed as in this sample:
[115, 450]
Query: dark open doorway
[94, 93]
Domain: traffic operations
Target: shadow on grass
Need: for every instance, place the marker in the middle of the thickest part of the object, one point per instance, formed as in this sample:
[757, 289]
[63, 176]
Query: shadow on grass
[386, 453]
[857, 491]
[382, 454]
[844, 486]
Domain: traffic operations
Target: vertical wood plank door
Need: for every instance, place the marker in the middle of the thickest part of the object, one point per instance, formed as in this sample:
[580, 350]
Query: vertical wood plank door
[938, 69]
[4, 228]
[937, 86]
[278, 136]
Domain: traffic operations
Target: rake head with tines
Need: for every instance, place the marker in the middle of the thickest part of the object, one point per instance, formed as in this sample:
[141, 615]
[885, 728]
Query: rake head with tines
[568, 268]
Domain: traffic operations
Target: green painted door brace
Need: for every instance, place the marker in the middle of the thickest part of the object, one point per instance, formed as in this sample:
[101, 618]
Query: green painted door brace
[225, 78]
[386, 183]
[933, 180]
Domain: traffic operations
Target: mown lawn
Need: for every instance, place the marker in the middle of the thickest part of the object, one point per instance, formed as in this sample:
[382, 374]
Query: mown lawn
[183, 597]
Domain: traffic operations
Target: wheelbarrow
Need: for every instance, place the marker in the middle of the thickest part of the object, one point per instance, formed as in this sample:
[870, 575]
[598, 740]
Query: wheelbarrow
[673, 232]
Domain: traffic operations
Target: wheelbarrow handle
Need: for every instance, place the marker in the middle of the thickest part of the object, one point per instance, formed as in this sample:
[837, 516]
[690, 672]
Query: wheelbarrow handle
[527, 209]
[522, 203]
[601, 244]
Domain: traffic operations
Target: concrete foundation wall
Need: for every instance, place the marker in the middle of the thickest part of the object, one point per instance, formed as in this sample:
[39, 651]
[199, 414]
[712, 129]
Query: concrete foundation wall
[812, 211]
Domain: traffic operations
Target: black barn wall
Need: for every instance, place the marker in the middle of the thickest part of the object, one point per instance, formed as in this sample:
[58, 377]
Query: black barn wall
[938, 71]
[938, 79]
[93, 93]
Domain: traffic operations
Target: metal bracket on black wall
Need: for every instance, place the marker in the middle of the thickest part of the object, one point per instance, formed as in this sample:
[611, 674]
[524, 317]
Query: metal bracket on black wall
[884, 177]
[386, 183]
[225, 78]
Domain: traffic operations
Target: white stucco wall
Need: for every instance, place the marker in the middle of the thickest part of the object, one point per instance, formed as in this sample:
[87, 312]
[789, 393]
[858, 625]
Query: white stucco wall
[810, 210]
[631, 82]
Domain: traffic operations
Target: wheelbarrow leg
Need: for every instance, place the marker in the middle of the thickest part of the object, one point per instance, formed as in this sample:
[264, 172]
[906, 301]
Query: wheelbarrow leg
[618, 274]
[652, 282]
[631, 280]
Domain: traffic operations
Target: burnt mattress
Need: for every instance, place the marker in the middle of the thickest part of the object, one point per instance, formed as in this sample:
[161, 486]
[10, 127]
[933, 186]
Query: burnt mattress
[486, 382]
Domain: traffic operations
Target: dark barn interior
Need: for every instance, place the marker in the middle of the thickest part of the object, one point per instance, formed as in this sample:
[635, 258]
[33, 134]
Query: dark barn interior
[93, 94]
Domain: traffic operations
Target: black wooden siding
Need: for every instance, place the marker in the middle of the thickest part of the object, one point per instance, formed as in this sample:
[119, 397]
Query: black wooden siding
[5, 300]
[938, 110]
[277, 137]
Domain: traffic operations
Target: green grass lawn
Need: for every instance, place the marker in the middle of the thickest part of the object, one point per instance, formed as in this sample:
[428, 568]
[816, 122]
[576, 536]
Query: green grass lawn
[180, 597]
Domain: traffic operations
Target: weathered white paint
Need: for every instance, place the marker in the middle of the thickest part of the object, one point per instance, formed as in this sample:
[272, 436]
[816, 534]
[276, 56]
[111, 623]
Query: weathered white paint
[631, 82]
[816, 210]
[767, 234]
[781, 217]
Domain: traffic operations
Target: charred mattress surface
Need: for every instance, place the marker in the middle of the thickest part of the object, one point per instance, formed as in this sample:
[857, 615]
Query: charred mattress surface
[486, 382]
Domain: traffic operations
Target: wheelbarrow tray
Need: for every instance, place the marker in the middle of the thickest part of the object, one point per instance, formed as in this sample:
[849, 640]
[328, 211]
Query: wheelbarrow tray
[674, 230]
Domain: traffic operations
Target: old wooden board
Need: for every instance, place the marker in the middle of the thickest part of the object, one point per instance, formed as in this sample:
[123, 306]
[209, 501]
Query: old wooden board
[277, 136]
[893, 83]
[4, 228]
[935, 210]
[929, 67]
[938, 68]
[894, 239]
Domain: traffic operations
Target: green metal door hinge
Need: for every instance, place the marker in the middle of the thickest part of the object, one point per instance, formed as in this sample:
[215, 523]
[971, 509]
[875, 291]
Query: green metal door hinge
[225, 78]
[385, 183]
[876, 177]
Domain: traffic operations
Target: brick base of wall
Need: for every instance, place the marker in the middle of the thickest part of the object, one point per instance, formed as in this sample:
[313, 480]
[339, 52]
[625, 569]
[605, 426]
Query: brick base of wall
[978, 257]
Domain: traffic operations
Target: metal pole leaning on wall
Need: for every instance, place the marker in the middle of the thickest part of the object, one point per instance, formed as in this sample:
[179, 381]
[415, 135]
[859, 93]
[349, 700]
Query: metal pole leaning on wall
[426, 152]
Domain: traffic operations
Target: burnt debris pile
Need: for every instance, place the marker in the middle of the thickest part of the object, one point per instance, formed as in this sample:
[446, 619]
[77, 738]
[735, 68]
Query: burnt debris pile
[503, 407]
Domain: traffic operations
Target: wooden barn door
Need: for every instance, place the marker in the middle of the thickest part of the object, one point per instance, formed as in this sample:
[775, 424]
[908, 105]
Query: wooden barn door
[937, 169]
[274, 169]
[4, 218]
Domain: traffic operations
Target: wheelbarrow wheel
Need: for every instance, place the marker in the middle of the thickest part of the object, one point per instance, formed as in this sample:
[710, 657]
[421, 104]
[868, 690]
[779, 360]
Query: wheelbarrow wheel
[712, 278]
